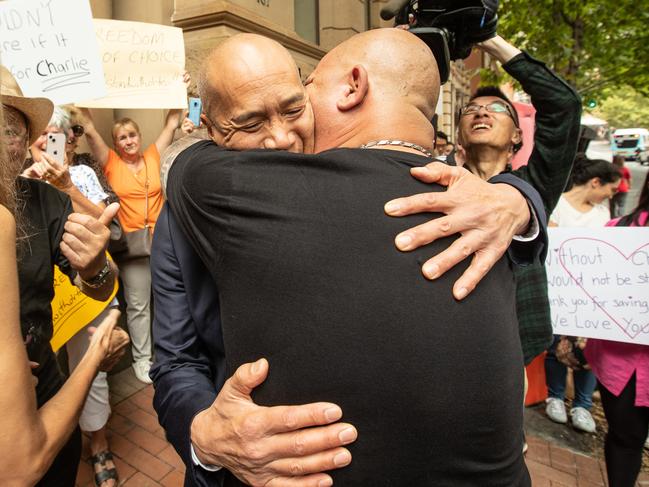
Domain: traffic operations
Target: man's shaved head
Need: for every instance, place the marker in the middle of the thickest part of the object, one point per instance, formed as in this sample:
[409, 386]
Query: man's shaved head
[253, 97]
[402, 77]
[400, 63]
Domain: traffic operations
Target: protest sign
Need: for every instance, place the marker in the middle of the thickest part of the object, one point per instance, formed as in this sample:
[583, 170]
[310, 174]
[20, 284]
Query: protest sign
[51, 49]
[598, 283]
[143, 65]
[71, 309]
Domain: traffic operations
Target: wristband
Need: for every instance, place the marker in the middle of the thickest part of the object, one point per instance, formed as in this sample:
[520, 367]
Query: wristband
[100, 279]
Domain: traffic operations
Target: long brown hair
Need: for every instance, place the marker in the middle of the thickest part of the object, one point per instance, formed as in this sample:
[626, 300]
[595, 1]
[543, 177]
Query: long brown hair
[7, 176]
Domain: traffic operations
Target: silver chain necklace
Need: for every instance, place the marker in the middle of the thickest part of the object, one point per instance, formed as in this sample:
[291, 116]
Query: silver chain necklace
[409, 145]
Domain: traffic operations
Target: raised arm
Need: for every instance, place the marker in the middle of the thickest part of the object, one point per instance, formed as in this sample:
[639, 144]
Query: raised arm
[32, 438]
[84, 245]
[58, 175]
[97, 144]
[166, 137]
[557, 120]
[172, 122]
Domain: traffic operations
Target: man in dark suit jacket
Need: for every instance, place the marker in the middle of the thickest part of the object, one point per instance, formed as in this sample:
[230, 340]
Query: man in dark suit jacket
[169, 374]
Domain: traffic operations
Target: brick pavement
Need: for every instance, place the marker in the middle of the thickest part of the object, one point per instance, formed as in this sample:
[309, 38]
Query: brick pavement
[145, 459]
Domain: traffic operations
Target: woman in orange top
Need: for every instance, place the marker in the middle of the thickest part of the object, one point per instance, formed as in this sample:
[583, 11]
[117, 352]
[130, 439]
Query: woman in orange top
[134, 175]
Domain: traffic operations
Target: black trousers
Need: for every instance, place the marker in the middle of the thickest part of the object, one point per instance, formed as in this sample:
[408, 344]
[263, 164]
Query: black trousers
[627, 432]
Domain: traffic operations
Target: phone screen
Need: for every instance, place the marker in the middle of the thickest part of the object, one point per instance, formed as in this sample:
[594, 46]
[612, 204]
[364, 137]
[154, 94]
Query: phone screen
[195, 111]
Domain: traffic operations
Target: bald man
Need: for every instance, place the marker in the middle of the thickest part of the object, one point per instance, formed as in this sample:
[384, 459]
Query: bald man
[304, 279]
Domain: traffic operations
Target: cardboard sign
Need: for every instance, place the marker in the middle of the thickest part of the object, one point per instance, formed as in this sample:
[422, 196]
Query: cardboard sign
[598, 283]
[71, 309]
[50, 48]
[143, 65]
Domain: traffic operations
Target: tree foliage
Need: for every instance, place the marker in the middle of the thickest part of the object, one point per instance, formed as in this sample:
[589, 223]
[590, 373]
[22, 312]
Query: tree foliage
[624, 107]
[592, 44]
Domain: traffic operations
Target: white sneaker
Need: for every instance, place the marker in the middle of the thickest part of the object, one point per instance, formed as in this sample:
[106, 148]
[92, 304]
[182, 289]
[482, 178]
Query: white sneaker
[582, 420]
[141, 370]
[556, 410]
[646, 443]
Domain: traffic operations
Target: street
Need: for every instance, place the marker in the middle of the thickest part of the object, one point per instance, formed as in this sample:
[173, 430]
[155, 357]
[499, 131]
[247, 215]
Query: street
[601, 149]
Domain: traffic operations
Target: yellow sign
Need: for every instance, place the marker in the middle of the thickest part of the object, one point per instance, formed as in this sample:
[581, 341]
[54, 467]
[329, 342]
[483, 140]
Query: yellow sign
[71, 309]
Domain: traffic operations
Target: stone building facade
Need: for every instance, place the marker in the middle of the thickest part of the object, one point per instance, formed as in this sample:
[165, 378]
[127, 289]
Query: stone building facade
[307, 28]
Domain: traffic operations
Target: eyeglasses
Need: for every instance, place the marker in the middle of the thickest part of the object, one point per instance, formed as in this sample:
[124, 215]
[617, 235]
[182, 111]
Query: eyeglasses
[493, 107]
[78, 130]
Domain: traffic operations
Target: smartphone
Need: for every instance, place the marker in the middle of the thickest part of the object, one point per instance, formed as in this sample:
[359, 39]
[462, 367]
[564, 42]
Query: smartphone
[56, 147]
[195, 108]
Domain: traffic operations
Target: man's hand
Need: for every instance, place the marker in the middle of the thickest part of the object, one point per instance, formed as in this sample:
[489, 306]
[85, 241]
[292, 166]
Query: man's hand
[270, 446]
[85, 240]
[486, 215]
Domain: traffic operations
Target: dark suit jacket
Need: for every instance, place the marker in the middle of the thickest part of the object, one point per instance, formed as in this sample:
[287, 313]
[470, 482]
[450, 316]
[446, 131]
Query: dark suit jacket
[189, 366]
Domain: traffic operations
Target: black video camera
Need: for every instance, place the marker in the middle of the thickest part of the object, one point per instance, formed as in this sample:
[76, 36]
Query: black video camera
[449, 27]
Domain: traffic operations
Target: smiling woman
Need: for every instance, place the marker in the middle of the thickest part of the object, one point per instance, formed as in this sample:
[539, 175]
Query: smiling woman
[134, 175]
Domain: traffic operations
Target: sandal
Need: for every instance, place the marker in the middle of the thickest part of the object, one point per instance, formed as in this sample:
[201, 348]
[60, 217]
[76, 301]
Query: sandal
[105, 473]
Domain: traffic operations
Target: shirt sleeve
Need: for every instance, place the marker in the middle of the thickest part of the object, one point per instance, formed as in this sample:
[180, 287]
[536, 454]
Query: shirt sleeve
[151, 154]
[187, 374]
[58, 206]
[113, 159]
[557, 125]
[533, 251]
[92, 188]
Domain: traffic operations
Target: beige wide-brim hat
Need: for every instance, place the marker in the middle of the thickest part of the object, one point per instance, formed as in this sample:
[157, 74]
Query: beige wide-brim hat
[38, 111]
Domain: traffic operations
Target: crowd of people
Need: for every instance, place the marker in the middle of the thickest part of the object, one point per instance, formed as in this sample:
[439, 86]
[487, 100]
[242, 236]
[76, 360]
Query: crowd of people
[277, 285]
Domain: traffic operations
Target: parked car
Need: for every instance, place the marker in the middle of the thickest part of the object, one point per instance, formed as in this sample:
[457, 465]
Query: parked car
[632, 144]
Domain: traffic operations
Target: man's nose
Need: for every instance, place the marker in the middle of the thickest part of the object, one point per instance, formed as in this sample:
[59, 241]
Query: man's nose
[279, 138]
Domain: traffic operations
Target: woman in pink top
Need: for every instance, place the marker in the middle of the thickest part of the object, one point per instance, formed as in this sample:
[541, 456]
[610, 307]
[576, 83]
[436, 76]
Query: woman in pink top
[622, 370]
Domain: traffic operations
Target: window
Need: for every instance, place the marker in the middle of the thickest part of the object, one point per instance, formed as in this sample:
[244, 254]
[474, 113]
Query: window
[307, 23]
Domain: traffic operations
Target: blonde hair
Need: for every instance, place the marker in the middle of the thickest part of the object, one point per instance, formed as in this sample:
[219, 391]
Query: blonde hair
[123, 122]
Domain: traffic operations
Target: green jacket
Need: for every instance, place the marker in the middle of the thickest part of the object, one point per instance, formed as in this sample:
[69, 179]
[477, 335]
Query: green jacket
[556, 135]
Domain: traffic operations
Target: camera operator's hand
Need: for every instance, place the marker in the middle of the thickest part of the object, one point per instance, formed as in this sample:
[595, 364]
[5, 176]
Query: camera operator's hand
[499, 48]
[487, 222]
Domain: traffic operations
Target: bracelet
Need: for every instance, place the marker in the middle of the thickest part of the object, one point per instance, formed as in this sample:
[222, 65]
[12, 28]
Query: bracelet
[100, 279]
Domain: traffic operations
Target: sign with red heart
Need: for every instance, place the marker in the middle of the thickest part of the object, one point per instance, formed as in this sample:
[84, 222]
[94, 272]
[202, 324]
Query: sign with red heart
[598, 283]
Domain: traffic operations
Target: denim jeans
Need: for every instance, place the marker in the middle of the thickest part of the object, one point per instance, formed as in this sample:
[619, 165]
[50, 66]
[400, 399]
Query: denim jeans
[555, 376]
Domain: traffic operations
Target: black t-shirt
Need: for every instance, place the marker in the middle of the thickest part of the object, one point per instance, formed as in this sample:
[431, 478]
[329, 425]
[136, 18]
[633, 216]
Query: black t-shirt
[309, 277]
[44, 213]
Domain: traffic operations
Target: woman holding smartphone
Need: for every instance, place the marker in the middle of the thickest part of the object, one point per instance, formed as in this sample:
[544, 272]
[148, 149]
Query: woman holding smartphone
[133, 171]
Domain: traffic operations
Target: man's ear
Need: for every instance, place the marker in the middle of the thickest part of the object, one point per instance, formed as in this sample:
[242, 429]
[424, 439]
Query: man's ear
[517, 137]
[356, 88]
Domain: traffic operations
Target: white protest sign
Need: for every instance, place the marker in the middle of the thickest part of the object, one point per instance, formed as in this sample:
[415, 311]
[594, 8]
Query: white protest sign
[598, 283]
[51, 49]
[143, 65]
